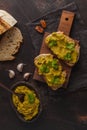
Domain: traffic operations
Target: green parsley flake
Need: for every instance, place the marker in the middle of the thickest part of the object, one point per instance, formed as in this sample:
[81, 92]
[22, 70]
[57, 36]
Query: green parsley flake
[52, 43]
[31, 98]
[67, 56]
[70, 46]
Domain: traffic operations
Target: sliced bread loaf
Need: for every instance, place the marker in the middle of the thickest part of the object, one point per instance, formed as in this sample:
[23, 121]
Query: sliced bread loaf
[10, 44]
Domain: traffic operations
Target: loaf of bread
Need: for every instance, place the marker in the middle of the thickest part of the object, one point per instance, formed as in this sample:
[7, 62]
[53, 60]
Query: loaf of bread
[64, 47]
[10, 44]
[53, 72]
[6, 21]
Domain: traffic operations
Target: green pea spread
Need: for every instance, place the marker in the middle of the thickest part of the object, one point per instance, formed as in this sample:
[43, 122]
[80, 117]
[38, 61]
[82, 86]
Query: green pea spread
[29, 108]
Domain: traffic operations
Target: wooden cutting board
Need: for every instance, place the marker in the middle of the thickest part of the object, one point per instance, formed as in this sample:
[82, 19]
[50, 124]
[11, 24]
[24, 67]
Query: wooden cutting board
[65, 25]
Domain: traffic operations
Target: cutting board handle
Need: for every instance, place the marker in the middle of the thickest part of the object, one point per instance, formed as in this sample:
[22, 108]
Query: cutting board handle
[66, 21]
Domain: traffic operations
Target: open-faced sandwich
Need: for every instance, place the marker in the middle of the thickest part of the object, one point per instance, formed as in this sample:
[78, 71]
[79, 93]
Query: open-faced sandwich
[64, 47]
[52, 71]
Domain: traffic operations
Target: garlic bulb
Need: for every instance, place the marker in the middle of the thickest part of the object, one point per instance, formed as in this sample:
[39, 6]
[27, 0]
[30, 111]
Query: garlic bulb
[26, 76]
[20, 67]
[11, 74]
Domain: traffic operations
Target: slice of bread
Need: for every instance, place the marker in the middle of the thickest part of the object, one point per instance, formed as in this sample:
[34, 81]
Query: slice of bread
[6, 21]
[64, 47]
[54, 72]
[10, 44]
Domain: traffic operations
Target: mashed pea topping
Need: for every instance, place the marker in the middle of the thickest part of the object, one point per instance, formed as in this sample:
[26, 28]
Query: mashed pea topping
[62, 46]
[51, 69]
[29, 108]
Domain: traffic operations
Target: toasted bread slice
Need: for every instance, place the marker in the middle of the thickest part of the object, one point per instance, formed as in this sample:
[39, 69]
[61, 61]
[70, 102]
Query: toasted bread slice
[50, 68]
[64, 47]
[6, 21]
[10, 44]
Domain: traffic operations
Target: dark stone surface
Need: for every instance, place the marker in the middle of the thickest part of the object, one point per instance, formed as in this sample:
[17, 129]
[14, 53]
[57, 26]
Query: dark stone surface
[60, 111]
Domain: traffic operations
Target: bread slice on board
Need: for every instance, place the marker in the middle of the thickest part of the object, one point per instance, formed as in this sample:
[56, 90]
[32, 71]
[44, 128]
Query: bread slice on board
[10, 44]
[54, 72]
[6, 21]
[64, 47]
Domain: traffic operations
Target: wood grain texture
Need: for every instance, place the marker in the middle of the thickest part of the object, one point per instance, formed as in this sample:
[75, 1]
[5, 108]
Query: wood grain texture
[66, 22]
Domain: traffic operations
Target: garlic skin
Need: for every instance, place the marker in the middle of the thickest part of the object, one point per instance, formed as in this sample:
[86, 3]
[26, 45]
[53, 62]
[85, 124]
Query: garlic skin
[26, 76]
[11, 74]
[20, 67]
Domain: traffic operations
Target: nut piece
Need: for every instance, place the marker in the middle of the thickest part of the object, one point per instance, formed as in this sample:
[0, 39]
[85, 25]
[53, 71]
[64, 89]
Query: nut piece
[39, 29]
[43, 23]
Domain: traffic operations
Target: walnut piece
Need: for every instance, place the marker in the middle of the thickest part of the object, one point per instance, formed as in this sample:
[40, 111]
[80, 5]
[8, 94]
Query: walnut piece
[39, 29]
[43, 23]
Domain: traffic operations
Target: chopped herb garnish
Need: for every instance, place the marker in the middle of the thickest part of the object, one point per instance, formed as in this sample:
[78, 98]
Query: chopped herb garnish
[70, 46]
[49, 63]
[67, 56]
[44, 68]
[55, 64]
[55, 80]
[31, 98]
[52, 43]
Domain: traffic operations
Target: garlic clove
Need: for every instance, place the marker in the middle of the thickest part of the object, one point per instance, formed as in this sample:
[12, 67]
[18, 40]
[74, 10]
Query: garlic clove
[11, 74]
[20, 67]
[26, 76]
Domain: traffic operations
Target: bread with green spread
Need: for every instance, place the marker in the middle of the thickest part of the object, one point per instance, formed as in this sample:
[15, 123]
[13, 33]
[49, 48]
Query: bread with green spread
[64, 47]
[51, 70]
